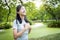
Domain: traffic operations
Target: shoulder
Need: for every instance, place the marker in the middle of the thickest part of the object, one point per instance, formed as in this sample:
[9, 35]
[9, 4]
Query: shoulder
[14, 21]
[14, 24]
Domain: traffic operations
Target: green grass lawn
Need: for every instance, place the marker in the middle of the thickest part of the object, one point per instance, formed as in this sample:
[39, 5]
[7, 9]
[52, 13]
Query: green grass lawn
[6, 35]
[45, 34]
[36, 34]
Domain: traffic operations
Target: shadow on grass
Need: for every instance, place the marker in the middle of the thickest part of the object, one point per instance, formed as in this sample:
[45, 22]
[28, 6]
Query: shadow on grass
[49, 37]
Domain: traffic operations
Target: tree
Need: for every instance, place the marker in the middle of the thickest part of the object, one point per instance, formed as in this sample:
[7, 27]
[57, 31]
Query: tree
[51, 7]
[32, 12]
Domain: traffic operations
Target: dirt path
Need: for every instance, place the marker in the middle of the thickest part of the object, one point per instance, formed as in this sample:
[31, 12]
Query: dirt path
[36, 25]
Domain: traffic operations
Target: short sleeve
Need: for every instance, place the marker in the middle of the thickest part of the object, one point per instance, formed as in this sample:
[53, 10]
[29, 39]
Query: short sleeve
[14, 25]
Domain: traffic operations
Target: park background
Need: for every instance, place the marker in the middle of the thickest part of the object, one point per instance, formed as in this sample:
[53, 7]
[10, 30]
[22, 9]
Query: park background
[44, 17]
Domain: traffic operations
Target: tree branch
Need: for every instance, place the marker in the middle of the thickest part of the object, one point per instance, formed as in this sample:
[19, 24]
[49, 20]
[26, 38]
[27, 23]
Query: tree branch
[21, 2]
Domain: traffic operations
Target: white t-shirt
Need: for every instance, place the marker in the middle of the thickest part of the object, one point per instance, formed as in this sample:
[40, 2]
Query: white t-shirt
[19, 27]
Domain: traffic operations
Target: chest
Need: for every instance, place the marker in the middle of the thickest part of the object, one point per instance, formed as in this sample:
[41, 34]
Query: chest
[20, 26]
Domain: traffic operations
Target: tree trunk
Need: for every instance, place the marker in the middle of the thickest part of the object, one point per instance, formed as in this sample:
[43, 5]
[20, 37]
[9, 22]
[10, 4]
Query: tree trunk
[8, 12]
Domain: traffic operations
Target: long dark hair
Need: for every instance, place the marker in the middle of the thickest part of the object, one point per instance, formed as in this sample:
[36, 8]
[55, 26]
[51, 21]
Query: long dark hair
[18, 17]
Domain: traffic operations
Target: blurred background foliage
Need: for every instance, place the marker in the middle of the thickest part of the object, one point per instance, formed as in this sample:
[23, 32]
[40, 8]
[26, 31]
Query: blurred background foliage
[49, 10]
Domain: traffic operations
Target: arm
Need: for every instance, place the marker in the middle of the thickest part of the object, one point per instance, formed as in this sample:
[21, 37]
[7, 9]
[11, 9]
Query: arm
[29, 30]
[16, 35]
[29, 27]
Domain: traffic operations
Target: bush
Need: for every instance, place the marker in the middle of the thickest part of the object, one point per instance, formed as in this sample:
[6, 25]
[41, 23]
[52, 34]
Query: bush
[30, 22]
[5, 26]
[54, 24]
[1, 26]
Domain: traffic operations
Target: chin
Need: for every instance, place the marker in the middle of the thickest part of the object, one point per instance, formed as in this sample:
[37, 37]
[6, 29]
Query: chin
[23, 14]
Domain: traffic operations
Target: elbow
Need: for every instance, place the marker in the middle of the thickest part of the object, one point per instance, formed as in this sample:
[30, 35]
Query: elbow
[15, 36]
[29, 30]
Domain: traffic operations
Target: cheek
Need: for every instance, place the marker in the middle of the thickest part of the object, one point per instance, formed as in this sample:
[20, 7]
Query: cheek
[20, 12]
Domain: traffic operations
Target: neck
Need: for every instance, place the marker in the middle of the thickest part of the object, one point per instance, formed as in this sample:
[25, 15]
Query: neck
[22, 17]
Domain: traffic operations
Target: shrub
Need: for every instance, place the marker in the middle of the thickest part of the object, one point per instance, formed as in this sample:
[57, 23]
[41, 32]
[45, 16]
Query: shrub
[5, 26]
[30, 22]
[1, 26]
[55, 24]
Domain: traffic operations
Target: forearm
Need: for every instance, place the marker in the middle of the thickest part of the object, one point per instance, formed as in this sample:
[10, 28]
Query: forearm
[29, 30]
[19, 33]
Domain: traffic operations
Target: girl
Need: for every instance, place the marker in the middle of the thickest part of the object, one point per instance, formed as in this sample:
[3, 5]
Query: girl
[21, 26]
